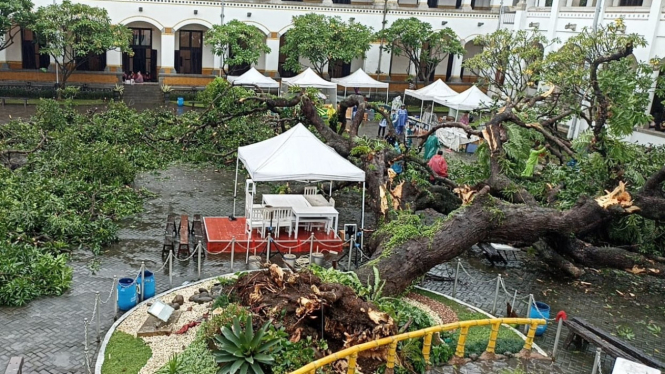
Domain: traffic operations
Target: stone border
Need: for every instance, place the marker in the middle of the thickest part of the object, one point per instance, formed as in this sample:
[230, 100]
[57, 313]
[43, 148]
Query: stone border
[535, 346]
[107, 337]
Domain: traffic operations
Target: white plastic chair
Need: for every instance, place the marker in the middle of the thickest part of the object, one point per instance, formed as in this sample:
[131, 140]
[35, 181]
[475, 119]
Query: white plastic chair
[255, 219]
[282, 217]
[310, 190]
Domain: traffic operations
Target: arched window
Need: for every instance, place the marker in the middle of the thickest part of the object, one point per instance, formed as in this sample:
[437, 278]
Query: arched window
[30, 55]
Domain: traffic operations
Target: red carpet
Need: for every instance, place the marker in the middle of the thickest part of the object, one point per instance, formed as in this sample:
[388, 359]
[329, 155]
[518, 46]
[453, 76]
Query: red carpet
[220, 232]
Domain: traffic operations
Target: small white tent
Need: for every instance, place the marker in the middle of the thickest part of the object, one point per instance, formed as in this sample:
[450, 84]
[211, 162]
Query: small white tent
[309, 78]
[471, 99]
[360, 79]
[296, 155]
[253, 78]
[428, 93]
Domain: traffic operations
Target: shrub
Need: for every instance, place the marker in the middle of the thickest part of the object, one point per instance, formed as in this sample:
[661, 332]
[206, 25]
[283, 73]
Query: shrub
[195, 359]
[214, 325]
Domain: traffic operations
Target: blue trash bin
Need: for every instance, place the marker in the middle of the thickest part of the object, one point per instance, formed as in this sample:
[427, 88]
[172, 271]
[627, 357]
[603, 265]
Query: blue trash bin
[181, 101]
[540, 310]
[149, 288]
[127, 294]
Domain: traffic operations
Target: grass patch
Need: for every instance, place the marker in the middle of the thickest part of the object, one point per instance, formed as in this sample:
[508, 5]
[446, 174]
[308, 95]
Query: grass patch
[478, 337]
[125, 354]
[195, 359]
[190, 104]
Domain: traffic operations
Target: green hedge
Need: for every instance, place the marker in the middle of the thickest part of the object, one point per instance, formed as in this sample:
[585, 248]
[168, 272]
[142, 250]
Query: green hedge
[49, 93]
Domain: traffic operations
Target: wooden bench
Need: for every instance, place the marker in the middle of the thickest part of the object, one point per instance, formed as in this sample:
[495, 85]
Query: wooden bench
[183, 246]
[168, 245]
[197, 226]
[170, 225]
[581, 332]
[3, 100]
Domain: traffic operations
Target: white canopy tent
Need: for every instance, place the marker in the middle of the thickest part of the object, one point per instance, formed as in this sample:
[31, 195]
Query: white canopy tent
[360, 79]
[309, 78]
[253, 78]
[471, 99]
[428, 93]
[296, 155]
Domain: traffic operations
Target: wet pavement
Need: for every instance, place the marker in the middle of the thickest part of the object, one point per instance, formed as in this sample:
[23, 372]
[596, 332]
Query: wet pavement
[49, 332]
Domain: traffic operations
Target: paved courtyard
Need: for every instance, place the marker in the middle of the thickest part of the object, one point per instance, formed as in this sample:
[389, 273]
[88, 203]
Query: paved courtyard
[49, 332]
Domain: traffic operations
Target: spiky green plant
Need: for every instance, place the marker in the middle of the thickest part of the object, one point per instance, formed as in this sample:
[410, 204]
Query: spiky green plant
[243, 350]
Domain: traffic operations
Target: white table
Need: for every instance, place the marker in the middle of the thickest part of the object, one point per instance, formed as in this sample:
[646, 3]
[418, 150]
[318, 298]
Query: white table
[316, 200]
[305, 206]
[326, 213]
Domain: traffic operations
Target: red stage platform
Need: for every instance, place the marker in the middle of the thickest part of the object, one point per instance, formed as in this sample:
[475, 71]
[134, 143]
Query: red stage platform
[220, 231]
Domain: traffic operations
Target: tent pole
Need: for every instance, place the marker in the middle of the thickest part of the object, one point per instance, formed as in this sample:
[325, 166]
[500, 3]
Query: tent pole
[387, 95]
[362, 218]
[345, 92]
[235, 187]
[422, 105]
[330, 191]
[431, 114]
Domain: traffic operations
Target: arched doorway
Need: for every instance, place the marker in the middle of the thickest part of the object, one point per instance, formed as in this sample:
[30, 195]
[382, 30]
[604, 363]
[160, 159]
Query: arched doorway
[471, 50]
[145, 43]
[284, 73]
[30, 56]
[657, 107]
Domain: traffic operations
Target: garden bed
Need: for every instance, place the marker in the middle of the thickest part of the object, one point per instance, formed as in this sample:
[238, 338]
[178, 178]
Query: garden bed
[298, 318]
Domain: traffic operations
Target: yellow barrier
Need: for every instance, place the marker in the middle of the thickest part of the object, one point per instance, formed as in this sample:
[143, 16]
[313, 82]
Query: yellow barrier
[352, 352]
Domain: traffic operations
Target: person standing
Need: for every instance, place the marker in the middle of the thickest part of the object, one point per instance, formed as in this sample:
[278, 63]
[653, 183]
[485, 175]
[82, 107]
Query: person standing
[382, 128]
[534, 155]
[139, 77]
[402, 118]
[438, 165]
[465, 119]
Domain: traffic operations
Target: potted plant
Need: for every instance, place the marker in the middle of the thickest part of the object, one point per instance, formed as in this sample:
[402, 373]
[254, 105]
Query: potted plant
[410, 79]
[166, 89]
[118, 90]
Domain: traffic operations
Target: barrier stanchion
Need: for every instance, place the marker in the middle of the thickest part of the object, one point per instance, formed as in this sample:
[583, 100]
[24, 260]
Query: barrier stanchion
[233, 250]
[170, 259]
[311, 247]
[352, 245]
[99, 317]
[85, 327]
[496, 294]
[115, 298]
[247, 256]
[268, 247]
[512, 305]
[456, 276]
[528, 312]
[556, 338]
[199, 247]
[596, 362]
[142, 280]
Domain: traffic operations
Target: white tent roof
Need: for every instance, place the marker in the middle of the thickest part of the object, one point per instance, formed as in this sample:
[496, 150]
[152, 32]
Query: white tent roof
[359, 79]
[428, 93]
[253, 77]
[297, 155]
[308, 78]
[471, 99]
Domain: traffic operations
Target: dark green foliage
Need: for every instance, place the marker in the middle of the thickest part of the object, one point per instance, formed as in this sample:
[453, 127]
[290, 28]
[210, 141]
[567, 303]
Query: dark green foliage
[291, 356]
[242, 349]
[214, 325]
[195, 359]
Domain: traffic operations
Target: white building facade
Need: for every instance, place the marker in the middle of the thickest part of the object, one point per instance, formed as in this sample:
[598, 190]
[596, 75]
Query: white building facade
[169, 35]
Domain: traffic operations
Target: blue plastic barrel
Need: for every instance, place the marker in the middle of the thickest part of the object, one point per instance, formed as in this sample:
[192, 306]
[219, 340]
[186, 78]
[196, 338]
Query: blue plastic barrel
[127, 295]
[181, 101]
[540, 310]
[149, 288]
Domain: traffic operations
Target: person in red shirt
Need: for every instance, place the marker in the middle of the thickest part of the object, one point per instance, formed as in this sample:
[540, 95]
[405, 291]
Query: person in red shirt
[438, 165]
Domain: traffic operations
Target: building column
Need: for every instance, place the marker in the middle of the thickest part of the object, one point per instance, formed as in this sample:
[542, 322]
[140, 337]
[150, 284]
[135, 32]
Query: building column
[651, 34]
[554, 13]
[272, 58]
[495, 5]
[114, 61]
[457, 68]
[167, 52]
[3, 60]
[466, 5]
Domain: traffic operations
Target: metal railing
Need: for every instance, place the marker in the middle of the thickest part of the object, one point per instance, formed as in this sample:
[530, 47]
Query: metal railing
[508, 18]
[351, 353]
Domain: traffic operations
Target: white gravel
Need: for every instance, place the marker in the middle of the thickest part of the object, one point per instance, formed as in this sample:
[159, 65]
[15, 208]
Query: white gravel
[432, 314]
[164, 346]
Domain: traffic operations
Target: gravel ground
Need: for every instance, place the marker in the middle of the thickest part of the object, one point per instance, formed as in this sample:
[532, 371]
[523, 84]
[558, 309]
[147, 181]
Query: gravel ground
[444, 313]
[164, 346]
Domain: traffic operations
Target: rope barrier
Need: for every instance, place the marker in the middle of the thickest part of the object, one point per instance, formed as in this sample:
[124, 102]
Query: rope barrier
[165, 262]
[222, 251]
[503, 285]
[111, 291]
[474, 278]
[188, 258]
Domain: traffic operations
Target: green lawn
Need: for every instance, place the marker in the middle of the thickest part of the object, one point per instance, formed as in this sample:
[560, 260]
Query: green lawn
[11, 101]
[478, 337]
[125, 354]
[188, 103]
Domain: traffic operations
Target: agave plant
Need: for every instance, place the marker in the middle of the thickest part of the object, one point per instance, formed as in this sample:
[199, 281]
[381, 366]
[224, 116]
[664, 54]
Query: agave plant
[243, 350]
